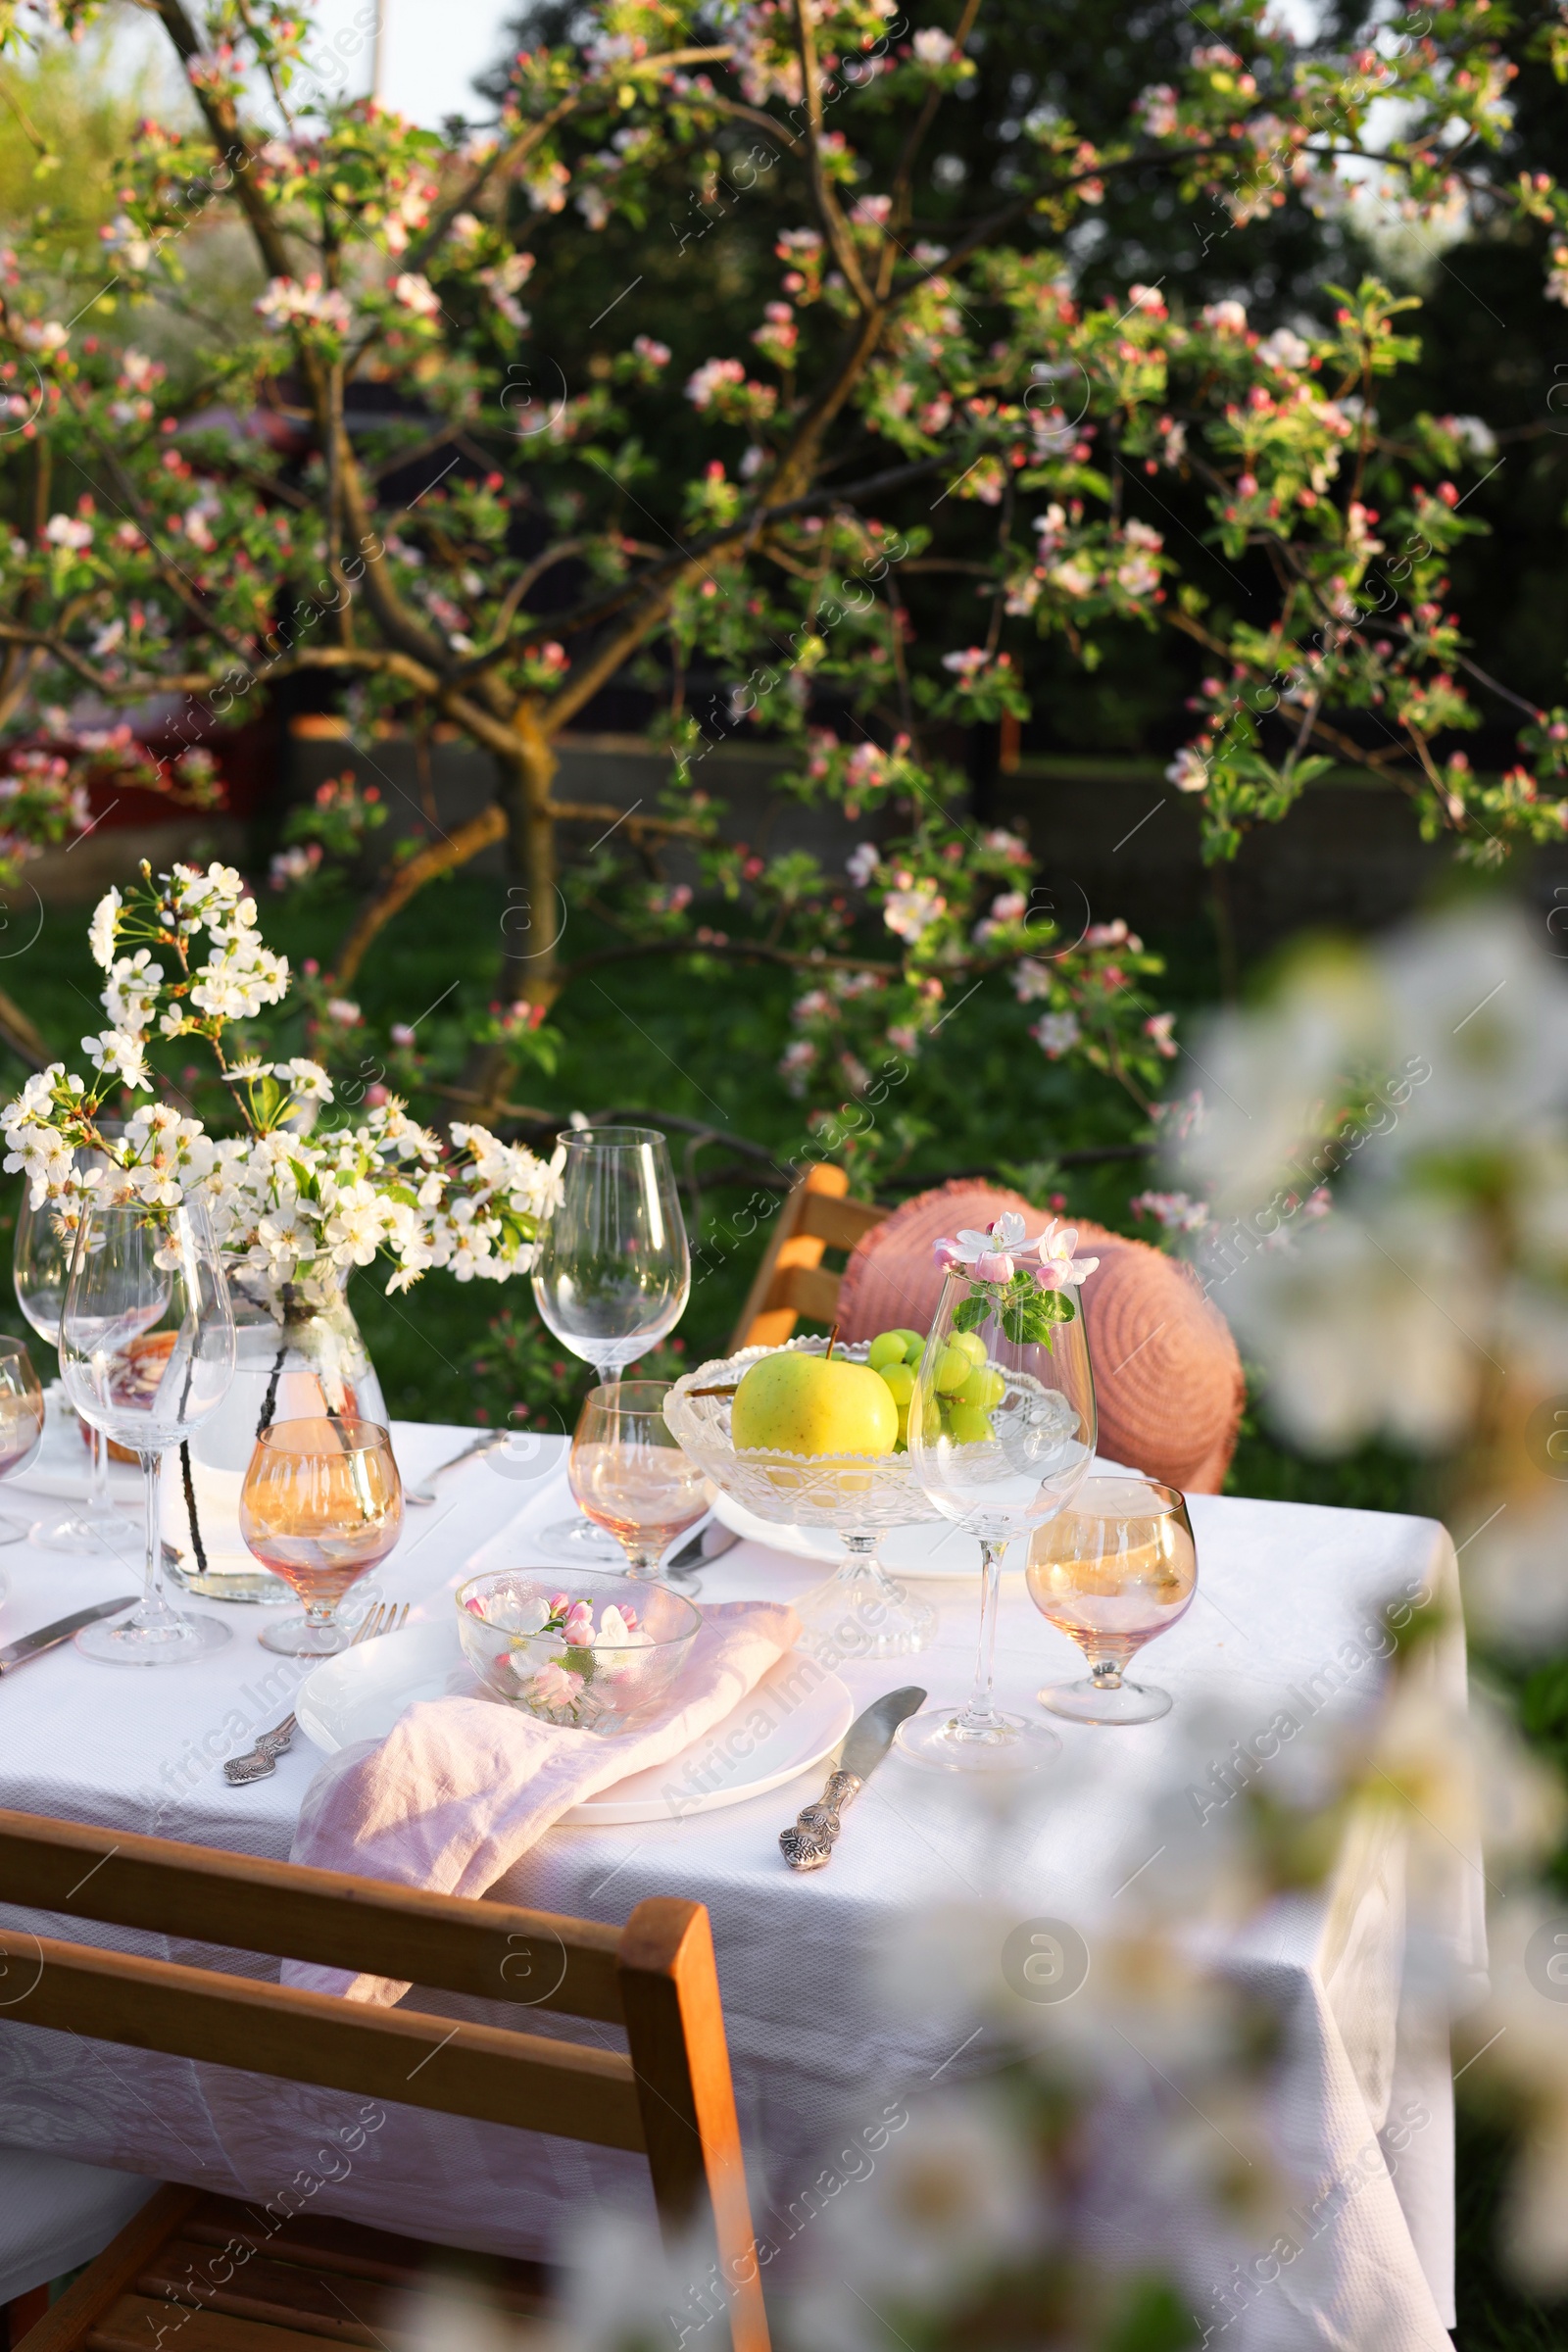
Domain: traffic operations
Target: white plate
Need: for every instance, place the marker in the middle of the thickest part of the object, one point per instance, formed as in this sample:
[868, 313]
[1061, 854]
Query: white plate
[360, 1694]
[932, 1551]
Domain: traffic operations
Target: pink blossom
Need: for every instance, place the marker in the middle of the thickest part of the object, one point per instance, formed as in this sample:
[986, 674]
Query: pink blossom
[1058, 1269]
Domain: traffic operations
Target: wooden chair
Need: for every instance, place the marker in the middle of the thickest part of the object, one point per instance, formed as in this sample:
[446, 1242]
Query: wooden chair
[791, 1280]
[288, 2281]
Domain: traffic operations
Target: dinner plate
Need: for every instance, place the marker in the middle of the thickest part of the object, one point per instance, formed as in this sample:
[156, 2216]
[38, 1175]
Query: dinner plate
[795, 1718]
[932, 1551]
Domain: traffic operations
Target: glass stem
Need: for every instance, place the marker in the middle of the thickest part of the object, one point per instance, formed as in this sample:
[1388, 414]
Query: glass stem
[980, 1715]
[98, 1475]
[155, 1608]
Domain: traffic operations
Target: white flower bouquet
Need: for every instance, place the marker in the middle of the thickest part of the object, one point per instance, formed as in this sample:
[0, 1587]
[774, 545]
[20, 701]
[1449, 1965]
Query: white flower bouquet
[288, 1197]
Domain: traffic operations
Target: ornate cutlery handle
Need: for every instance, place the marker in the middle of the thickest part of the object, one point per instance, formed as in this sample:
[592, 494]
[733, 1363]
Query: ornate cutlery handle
[809, 1841]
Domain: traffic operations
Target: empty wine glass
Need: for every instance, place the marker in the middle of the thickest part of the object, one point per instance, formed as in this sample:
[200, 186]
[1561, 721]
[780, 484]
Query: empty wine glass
[146, 1352]
[320, 1506]
[630, 1474]
[20, 1421]
[40, 1271]
[611, 1272]
[1116, 1568]
[1002, 1431]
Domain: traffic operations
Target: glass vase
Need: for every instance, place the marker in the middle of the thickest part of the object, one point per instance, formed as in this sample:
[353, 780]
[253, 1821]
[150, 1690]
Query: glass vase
[298, 1355]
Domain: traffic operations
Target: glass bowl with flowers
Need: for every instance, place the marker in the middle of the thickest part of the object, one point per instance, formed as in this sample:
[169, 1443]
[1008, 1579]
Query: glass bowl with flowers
[590, 1658]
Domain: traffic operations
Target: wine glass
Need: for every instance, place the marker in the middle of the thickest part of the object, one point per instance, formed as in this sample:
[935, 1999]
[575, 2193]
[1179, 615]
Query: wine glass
[20, 1421]
[321, 1505]
[1116, 1568]
[630, 1474]
[1001, 1432]
[40, 1270]
[611, 1272]
[146, 1352]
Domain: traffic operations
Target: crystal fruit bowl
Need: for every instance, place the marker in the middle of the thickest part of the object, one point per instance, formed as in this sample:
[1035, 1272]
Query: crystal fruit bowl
[859, 1612]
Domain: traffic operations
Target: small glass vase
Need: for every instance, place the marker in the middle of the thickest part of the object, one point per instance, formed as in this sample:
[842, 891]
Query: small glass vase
[298, 1355]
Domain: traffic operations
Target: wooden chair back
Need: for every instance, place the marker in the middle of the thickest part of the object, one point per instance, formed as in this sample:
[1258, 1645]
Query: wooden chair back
[791, 1280]
[670, 2099]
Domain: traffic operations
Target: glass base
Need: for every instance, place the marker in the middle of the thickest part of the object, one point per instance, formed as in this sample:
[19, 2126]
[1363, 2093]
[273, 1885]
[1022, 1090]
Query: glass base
[1089, 1701]
[245, 1582]
[297, 1638]
[165, 1639]
[1010, 1744]
[11, 1530]
[861, 1613]
[579, 1540]
[89, 1533]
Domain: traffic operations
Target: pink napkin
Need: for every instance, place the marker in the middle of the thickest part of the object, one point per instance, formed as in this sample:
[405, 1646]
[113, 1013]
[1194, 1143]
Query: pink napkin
[460, 1787]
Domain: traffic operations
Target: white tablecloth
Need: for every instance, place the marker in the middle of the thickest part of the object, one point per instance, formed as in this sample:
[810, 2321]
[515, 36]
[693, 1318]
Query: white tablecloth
[1285, 1595]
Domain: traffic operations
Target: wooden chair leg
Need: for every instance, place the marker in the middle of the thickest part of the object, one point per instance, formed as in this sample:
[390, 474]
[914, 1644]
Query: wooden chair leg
[64, 2325]
[22, 2313]
[675, 2027]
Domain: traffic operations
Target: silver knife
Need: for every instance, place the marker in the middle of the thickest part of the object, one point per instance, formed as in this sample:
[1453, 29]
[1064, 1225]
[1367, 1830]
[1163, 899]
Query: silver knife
[710, 1542]
[809, 1841]
[17, 1654]
[485, 1443]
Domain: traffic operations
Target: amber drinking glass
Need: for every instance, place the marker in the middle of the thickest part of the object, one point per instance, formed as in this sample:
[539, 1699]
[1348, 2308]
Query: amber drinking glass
[630, 1474]
[320, 1506]
[20, 1421]
[1117, 1568]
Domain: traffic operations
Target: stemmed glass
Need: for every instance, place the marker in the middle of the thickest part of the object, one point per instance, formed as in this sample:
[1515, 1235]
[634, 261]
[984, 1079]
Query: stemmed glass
[40, 1271]
[612, 1271]
[21, 1414]
[1001, 1432]
[320, 1506]
[1117, 1568]
[630, 1474]
[146, 1352]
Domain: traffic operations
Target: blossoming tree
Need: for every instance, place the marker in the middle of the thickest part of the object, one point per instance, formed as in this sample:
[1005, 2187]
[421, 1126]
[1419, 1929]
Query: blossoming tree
[913, 395]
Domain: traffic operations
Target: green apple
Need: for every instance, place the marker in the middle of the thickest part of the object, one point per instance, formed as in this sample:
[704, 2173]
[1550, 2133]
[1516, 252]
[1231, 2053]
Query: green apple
[797, 1403]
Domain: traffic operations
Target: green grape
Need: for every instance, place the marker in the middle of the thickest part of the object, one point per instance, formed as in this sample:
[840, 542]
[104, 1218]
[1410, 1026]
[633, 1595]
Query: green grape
[971, 1344]
[968, 1424]
[952, 1371]
[886, 1349]
[899, 1381]
[983, 1387]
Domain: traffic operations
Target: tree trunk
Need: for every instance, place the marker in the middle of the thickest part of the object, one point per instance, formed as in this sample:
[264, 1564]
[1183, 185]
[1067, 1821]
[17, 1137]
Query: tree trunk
[536, 912]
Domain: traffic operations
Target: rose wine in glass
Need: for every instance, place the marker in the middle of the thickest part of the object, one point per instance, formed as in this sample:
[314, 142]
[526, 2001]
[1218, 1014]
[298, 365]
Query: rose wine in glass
[21, 1414]
[320, 1506]
[1114, 1571]
[611, 1273]
[630, 1474]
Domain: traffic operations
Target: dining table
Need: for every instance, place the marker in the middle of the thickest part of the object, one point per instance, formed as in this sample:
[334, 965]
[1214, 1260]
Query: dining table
[828, 2039]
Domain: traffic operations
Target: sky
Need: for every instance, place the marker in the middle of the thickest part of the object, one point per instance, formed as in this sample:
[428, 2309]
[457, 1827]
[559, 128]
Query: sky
[433, 49]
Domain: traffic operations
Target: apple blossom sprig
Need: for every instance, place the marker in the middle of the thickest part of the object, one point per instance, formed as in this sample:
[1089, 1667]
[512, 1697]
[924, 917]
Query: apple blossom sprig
[1028, 1284]
[288, 1197]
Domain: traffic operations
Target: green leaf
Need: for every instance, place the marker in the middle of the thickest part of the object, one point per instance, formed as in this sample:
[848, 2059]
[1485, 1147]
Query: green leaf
[972, 1311]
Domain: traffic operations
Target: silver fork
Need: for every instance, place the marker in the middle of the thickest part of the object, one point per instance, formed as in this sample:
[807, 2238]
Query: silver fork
[386, 1617]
